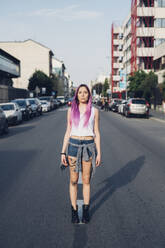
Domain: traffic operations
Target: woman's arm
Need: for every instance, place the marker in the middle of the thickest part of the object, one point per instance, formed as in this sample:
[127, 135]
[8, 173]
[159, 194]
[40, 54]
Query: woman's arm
[66, 138]
[67, 133]
[97, 137]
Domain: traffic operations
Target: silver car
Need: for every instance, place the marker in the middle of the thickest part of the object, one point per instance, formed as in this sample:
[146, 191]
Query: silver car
[121, 107]
[136, 106]
[12, 111]
[3, 122]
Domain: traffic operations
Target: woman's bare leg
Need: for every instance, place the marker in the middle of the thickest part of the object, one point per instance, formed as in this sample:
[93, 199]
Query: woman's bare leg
[86, 175]
[73, 181]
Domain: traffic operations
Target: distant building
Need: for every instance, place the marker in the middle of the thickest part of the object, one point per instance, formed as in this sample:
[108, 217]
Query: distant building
[33, 56]
[136, 44]
[59, 70]
[100, 79]
[9, 68]
[159, 62]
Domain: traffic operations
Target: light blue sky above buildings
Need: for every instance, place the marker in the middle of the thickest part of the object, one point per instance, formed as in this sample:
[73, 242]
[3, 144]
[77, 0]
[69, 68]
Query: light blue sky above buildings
[78, 32]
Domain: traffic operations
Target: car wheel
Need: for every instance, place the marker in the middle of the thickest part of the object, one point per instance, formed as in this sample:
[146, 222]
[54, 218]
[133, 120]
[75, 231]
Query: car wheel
[126, 114]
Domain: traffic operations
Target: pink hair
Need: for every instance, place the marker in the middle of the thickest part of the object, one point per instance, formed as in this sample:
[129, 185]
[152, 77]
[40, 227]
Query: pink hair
[75, 113]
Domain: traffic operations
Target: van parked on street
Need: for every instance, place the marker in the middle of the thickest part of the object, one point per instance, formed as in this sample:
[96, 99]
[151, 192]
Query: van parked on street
[13, 112]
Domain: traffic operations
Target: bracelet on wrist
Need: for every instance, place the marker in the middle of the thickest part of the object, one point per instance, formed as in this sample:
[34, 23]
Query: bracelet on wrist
[63, 153]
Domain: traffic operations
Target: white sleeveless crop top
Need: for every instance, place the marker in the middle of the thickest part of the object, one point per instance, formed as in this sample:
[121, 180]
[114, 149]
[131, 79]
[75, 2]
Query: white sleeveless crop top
[80, 130]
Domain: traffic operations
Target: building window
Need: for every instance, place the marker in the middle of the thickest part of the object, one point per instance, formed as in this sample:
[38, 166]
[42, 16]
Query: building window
[163, 23]
[160, 23]
[161, 3]
[159, 41]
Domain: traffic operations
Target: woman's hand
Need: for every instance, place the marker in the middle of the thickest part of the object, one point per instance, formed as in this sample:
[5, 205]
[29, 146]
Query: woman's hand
[98, 160]
[63, 160]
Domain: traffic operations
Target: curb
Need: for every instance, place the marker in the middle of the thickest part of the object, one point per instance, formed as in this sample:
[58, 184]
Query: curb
[156, 119]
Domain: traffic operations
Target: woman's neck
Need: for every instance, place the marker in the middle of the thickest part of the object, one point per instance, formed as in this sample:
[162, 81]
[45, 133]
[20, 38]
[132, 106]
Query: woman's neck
[82, 107]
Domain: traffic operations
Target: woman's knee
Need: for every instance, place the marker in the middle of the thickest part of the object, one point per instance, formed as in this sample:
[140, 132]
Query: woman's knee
[74, 182]
[86, 179]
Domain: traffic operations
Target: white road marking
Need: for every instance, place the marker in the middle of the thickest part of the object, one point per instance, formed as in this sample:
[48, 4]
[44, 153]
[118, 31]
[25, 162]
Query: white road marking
[80, 178]
[156, 119]
[80, 204]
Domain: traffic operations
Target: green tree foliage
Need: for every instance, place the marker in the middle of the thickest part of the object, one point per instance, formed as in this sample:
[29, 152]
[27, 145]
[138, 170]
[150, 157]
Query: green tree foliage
[98, 87]
[163, 88]
[149, 86]
[105, 87]
[135, 85]
[41, 80]
[143, 84]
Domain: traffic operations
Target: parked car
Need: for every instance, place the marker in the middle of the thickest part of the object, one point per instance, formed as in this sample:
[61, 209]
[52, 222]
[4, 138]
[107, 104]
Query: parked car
[45, 106]
[13, 112]
[33, 106]
[114, 104]
[61, 98]
[56, 103]
[39, 106]
[48, 99]
[70, 101]
[136, 106]
[121, 107]
[25, 107]
[3, 122]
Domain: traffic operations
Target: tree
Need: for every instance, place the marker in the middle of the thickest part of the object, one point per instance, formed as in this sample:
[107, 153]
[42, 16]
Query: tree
[98, 87]
[41, 80]
[135, 85]
[143, 85]
[163, 88]
[105, 87]
[149, 86]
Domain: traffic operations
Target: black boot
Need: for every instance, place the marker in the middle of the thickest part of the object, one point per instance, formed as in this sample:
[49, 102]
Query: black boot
[85, 215]
[75, 218]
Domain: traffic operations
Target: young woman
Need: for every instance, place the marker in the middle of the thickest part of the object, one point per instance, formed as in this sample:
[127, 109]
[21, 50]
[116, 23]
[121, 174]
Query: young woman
[81, 147]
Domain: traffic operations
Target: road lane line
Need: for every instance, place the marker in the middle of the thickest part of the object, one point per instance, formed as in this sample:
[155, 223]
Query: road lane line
[156, 119]
[80, 202]
[80, 178]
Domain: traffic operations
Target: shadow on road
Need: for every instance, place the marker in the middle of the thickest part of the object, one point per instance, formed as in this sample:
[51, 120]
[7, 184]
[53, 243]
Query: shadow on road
[16, 130]
[123, 177]
[12, 164]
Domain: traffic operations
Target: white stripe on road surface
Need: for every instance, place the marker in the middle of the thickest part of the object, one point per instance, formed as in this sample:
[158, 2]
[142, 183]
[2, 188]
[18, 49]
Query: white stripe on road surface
[80, 178]
[156, 119]
[80, 202]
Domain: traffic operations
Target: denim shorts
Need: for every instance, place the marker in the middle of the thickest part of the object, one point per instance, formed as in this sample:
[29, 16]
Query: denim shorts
[72, 150]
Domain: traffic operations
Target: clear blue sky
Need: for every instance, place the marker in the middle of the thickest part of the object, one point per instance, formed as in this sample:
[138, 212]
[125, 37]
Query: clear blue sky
[78, 32]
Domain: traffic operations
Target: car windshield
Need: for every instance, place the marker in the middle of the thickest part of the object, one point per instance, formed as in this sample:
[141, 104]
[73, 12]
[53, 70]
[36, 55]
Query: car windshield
[7, 107]
[32, 101]
[43, 103]
[138, 101]
[21, 103]
[60, 98]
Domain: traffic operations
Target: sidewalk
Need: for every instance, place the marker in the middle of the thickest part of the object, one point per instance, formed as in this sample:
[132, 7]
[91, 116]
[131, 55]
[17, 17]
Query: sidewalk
[157, 115]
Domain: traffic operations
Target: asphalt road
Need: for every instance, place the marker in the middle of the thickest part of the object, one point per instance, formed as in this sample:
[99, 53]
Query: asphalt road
[128, 190]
